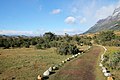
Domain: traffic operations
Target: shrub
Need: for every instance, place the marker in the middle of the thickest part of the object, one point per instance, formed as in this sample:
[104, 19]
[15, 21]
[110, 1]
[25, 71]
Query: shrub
[38, 46]
[66, 48]
[112, 61]
[27, 45]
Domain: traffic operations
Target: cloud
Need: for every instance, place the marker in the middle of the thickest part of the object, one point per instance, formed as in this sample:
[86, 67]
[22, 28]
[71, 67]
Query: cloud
[14, 32]
[72, 31]
[74, 10]
[118, 4]
[104, 12]
[69, 30]
[56, 11]
[70, 20]
[83, 20]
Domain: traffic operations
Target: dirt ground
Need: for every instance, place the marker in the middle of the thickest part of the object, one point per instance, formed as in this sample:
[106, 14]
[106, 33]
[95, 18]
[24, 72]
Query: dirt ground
[82, 68]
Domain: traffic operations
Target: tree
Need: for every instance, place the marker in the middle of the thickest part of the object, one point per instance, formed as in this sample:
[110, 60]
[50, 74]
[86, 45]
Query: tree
[6, 44]
[27, 44]
[49, 36]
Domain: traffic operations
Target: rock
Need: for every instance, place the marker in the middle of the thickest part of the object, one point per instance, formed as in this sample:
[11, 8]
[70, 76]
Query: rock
[68, 59]
[100, 65]
[107, 74]
[76, 55]
[79, 53]
[50, 69]
[104, 70]
[63, 61]
[39, 77]
[55, 67]
[73, 56]
[46, 73]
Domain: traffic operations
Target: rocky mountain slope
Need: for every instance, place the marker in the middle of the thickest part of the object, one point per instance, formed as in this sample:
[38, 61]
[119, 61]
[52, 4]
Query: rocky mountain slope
[110, 23]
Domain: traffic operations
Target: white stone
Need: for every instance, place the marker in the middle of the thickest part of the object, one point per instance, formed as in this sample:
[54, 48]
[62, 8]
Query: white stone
[73, 56]
[100, 65]
[104, 70]
[68, 59]
[50, 69]
[46, 73]
[76, 55]
[107, 74]
[79, 53]
[63, 61]
[54, 68]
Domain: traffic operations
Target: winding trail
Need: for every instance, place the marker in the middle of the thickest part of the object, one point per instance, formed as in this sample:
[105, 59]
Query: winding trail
[82, 68]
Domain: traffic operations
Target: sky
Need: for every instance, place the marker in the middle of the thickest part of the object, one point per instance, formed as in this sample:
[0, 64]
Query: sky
[35, 17]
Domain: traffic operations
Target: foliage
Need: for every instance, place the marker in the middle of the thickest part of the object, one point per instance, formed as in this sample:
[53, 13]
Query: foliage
[64, 44]
[38, 46]
[107, 38]
[49, 36]
[66, 48]
[112, 60]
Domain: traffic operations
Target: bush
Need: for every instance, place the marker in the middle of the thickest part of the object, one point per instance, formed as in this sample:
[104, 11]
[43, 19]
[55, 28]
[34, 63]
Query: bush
[112, 61]
[38, 46]
[27, 45]
[66, 48]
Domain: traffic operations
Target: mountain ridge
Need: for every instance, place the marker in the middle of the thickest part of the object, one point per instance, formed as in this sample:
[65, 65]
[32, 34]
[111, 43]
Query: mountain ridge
[110, 23]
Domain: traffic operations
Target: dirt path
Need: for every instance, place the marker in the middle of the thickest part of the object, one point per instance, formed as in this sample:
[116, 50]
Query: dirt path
[82, 68]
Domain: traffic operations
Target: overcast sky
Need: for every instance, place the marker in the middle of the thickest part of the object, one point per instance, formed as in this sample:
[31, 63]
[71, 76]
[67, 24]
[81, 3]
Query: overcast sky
[35, 17]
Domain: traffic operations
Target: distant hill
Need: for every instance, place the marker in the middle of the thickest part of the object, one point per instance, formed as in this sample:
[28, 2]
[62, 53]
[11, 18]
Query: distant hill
[110, 23]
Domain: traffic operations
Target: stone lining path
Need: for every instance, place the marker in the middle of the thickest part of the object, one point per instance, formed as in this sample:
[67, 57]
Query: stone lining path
[83, 68]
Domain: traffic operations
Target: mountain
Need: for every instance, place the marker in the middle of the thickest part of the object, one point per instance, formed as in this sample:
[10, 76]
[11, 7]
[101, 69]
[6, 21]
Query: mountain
[110, 23]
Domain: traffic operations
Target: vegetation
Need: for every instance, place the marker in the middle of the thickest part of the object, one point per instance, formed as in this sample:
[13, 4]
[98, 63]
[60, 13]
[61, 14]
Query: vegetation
[112, 61]
[107, 38]
[26, 63]
[36, 54]
[67, 49]
[64, 44]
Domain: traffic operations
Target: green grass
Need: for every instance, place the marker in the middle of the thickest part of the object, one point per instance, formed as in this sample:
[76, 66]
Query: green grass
[26, 64]
[110, 51]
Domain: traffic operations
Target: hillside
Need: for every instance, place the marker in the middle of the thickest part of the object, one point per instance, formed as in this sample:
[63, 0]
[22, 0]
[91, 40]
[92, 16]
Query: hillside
[110, 23]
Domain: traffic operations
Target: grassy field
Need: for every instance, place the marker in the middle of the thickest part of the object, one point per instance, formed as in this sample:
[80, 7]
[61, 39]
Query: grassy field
[26, 64]
[111, 50]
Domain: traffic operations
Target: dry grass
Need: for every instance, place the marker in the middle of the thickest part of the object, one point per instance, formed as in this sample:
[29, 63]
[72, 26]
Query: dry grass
[117, 33]
[111, 50]
[26, 64]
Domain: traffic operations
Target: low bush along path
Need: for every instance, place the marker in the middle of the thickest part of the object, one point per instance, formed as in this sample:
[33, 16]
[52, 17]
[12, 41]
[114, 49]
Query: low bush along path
[82, 68]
